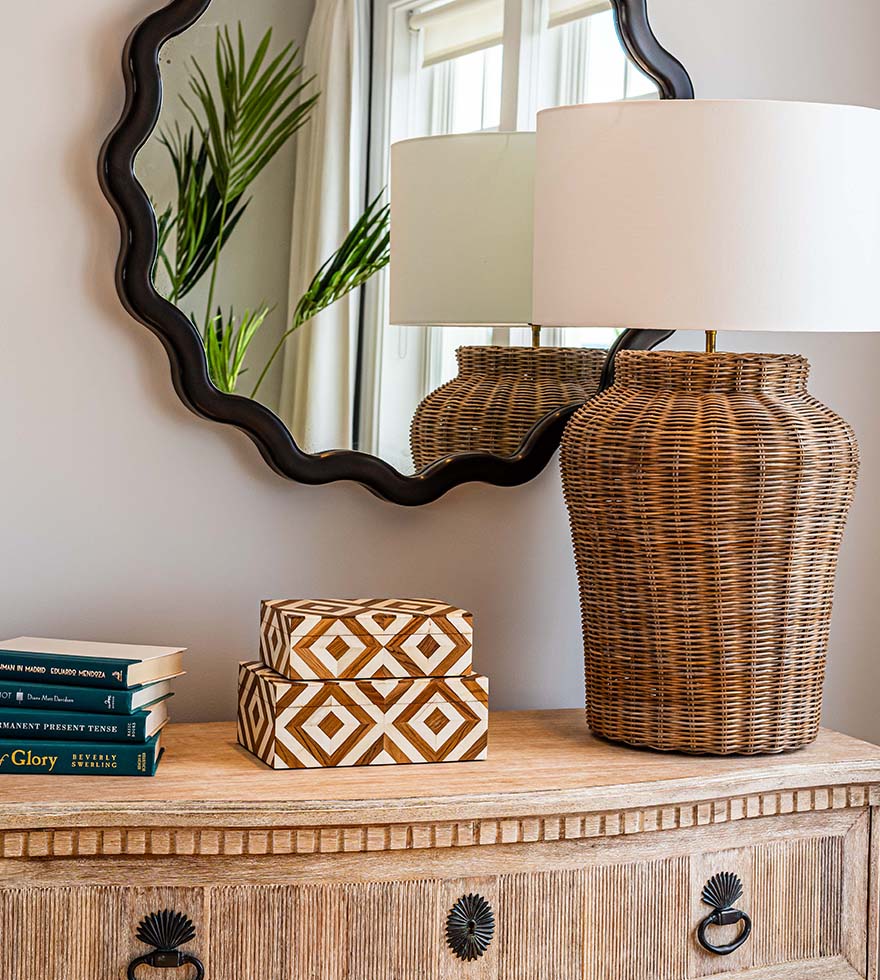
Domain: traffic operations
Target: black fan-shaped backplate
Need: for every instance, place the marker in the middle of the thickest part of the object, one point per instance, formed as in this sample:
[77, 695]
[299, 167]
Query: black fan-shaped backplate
[166, 930]
[470, 927]
[722, 891]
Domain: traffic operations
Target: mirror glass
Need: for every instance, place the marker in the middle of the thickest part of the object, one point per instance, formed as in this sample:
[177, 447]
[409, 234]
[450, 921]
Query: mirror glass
[269, 173]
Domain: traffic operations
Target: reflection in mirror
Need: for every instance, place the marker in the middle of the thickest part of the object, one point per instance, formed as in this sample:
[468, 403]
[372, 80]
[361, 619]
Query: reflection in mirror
[461, 257]
[269, 173]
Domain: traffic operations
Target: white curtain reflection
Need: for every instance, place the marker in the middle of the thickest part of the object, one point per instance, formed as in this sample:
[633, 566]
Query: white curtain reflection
[317, 391]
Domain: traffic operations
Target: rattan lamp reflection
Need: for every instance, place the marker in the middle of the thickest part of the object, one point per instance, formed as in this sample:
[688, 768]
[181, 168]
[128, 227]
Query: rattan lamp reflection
[461, 255]
[707, 492]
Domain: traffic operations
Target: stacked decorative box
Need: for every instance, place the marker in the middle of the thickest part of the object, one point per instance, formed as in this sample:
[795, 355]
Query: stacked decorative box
[363, 682]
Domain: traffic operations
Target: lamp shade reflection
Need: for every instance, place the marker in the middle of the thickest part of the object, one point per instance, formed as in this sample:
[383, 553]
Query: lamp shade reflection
[461, 230]
[461, 256]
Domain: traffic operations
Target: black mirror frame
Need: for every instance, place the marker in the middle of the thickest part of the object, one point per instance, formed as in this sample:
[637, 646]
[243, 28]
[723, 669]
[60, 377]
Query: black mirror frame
[143, 87]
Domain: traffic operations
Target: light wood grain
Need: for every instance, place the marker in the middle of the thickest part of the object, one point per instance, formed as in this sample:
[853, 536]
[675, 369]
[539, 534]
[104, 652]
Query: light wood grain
[490, 966]
[541, 919]
[540, 764]
[740, 861]
[632, 920]
[636, 915]
[830, 969]
[873, 970]
[357, 887]
[237, 840]
[480, 860]
[855, 861]
[83, 933]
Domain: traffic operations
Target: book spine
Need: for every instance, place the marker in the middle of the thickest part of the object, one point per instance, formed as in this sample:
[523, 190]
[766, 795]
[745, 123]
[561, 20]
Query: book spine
[58, 697]
[62, 669]
[25, 757]
[64, 725]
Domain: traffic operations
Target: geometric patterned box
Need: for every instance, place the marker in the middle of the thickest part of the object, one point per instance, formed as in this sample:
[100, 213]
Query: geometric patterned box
[329, 639]
[316, 724]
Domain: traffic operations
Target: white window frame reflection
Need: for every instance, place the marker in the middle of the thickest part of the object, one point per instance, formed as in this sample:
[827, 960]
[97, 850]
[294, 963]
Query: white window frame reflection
[539, 67]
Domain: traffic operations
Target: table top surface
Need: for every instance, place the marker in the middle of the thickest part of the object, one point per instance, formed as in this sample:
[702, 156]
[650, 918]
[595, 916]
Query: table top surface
[539, 761]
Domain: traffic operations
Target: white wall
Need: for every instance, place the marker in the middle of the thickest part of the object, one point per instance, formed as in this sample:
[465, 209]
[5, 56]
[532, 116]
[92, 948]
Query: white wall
[124, 517]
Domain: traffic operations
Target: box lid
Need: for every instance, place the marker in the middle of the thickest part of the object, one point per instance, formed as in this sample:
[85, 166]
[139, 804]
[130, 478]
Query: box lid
[381, 618]
[331, 638]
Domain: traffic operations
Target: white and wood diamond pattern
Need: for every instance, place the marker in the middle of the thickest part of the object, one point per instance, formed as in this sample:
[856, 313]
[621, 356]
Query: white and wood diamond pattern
[328, 639]
[306, 725]
[256, 717]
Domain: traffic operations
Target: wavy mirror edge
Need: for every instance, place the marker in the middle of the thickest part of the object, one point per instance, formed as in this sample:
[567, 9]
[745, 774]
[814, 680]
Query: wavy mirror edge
[139, 239]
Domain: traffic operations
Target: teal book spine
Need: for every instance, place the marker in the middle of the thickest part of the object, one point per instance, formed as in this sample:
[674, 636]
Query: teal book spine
[29, 757]
[64, 669]
[61, 697]
[72, 726]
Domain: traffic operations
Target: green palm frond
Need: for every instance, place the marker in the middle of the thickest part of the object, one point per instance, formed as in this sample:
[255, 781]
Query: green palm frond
[254, 111]
[226, 344]
[241, 118]
[198, 213]
[199, 208]
[364, 251]
[165, 221]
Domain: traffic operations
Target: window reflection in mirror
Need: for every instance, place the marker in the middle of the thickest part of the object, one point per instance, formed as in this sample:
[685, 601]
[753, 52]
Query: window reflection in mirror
[269, 177]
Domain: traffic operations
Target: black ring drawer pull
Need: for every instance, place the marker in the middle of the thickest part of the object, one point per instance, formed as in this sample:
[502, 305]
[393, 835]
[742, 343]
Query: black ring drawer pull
[166, 931]
[721, 891]
[470, 927]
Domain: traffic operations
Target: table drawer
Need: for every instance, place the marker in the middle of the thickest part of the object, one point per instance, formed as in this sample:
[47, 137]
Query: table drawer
[602, 909]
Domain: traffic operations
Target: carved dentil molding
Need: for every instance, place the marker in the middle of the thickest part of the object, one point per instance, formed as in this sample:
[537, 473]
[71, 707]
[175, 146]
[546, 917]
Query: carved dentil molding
[151, 841]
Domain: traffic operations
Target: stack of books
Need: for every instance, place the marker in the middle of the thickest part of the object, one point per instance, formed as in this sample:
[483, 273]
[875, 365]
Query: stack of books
[74, 708]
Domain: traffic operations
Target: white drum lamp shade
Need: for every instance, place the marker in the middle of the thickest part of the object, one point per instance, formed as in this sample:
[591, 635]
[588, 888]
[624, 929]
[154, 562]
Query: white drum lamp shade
[461, 230]
[707, 215]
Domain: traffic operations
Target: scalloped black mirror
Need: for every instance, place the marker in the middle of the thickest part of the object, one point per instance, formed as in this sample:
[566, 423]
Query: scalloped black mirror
[252, 199]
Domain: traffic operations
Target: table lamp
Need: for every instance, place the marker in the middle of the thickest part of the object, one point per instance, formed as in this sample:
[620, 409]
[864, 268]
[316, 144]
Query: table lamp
[461, 255]
[707, 492]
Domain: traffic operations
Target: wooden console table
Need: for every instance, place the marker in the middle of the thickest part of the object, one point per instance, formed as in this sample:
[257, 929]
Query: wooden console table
[592, 857]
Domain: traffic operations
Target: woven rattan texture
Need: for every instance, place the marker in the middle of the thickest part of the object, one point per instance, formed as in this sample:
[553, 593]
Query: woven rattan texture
[498, 396]
[708, 495]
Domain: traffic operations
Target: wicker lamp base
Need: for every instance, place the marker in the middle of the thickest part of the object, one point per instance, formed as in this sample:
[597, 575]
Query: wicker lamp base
[708, 495]
[498, 396]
